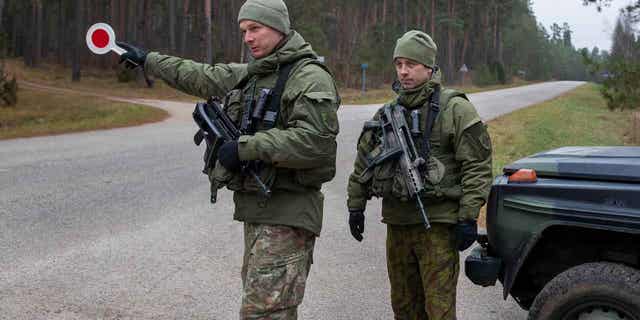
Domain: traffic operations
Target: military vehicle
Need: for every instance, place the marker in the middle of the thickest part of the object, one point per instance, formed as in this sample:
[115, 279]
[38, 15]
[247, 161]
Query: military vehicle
[563, 234]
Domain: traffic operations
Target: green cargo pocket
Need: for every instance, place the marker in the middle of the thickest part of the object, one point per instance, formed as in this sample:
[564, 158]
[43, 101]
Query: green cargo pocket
[277, 285]
[383, 179]
[267, 175]
[400, 190]
[315, 177]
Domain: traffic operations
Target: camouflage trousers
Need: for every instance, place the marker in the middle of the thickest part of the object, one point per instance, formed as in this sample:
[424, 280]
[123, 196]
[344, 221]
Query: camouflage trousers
[276, 263]
[423, 271]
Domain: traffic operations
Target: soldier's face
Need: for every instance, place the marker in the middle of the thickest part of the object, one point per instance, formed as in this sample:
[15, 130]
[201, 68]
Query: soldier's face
[411, 74]
[260, 39]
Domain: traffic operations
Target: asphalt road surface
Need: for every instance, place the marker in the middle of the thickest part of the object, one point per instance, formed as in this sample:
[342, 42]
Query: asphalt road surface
[116, 224]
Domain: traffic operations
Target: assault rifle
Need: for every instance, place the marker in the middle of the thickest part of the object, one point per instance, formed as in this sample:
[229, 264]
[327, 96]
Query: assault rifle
[397, 143]
[216, 128]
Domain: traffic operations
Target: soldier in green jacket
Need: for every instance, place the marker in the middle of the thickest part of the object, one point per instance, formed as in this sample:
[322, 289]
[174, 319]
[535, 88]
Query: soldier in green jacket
[297, 151]
[423, 264]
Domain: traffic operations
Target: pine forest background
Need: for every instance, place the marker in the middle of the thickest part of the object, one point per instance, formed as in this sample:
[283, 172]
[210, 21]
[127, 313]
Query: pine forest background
[496, 39]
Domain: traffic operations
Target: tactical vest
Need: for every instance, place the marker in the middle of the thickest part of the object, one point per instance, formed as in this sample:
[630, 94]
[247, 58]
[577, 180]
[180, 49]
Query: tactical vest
[443, 173]
[274, 178]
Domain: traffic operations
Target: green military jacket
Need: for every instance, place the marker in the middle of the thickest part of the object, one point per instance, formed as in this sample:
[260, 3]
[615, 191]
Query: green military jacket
[298, 154]
[459, 179]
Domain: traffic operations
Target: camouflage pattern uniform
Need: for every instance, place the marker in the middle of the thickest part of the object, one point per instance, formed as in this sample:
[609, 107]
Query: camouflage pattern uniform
[275, 269]
[423, 271]
[423, 265]
[298, 156]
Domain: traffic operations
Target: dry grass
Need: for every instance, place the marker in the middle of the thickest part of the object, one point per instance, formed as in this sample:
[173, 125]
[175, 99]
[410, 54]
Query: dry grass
[385, 94]
[44, 113]
[635, 133]
[97, 81]
[105, 83]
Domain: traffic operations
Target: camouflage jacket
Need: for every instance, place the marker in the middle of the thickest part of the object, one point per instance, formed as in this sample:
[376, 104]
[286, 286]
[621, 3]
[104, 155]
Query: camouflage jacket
[299, 153]
[459, 178]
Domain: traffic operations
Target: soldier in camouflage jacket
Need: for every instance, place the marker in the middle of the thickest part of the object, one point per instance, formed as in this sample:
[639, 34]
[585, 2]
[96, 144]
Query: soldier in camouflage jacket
[298, 153]
[423, 264]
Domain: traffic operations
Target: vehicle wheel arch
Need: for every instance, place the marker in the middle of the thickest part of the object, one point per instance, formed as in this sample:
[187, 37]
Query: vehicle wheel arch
[547, 234]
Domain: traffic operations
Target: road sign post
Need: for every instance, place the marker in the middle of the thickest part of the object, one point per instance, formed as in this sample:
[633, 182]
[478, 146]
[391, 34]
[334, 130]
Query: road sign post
[464, 70]
[364, 68]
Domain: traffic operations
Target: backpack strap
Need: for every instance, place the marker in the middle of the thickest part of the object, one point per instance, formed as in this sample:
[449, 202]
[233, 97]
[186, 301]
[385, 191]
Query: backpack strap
[273, 109]
[438, 101]
[284, 73]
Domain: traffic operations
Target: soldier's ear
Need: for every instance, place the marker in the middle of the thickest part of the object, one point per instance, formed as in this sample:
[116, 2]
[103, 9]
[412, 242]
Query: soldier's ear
[433, 71]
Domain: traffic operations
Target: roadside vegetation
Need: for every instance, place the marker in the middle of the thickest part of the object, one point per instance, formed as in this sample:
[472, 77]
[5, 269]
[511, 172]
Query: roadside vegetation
[385, 94]
[44, 113]
[100, 82]
[578, 118]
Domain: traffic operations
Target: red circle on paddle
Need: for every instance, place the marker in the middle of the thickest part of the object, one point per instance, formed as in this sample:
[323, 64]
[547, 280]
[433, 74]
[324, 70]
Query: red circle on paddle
[100, 38]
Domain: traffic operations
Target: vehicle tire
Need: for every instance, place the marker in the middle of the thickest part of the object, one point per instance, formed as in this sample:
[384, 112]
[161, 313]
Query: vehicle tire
[589, 291]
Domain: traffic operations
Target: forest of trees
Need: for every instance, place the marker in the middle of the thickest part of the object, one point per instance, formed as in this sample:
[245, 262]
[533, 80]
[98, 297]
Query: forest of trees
[495, 39]
[619, 70]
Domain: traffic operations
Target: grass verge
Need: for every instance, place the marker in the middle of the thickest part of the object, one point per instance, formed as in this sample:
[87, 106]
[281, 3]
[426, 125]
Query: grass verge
[96, 81]
[385, 94]
[105, 83]
[577, 118]
[44, 113]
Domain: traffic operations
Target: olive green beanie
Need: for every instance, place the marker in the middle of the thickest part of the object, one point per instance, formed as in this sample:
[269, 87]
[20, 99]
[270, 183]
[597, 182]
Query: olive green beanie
[417, 46]
[271, 13]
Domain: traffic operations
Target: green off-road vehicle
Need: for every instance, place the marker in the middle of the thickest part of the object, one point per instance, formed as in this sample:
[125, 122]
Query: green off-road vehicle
[563, 234]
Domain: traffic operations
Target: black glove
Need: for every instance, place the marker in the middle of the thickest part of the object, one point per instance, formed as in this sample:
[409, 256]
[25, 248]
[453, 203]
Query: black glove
[356, 223]
[228, 156]
[134, 56]
[466, 234]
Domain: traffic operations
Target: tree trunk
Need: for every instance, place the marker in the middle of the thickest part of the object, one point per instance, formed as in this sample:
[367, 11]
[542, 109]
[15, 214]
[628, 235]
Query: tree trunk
[405, 14]
[3, 52]
[498, 52]
[185, 27]
[78, 40]
[485, 39]
[147, 14]
[62, 28]
[1, 14]
[139, 19]
[172, 26]
[122, 21]
[495, 32]
[465, 45]
[450, 41]
[132, 22]
[433, 18]
[207, 32]
[384, 11]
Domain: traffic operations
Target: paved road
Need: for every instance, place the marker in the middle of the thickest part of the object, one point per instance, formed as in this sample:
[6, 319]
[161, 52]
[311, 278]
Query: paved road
[115, 225]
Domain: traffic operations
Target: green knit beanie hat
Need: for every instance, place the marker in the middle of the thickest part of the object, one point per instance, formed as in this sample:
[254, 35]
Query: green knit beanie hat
[271, 13]
[417, 46]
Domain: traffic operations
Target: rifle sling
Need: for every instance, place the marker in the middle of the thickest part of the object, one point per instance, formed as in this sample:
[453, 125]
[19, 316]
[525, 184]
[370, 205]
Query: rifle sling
[434, 109]
[271, 113]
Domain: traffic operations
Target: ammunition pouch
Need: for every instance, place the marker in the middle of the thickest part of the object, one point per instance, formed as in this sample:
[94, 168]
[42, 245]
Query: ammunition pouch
[315, 177]
[387, 180]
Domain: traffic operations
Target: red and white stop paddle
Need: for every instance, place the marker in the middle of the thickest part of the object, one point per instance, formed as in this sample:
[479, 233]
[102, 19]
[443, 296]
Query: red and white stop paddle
[101, 39]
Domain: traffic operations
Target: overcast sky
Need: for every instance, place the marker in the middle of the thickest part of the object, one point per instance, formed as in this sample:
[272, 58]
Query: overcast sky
[590, 27]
